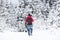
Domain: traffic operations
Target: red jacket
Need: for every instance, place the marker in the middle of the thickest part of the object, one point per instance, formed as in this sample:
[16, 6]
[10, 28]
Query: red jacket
[29, 17]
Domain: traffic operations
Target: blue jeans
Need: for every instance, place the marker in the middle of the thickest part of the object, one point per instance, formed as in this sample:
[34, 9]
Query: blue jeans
[30, 29]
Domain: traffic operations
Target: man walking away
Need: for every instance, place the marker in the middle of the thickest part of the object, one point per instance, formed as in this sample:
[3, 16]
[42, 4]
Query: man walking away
[28, 22]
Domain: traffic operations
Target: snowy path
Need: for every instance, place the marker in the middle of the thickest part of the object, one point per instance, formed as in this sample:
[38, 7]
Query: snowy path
[37, 35]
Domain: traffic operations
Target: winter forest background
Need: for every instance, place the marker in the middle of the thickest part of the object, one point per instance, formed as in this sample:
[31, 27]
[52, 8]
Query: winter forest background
[46, 14]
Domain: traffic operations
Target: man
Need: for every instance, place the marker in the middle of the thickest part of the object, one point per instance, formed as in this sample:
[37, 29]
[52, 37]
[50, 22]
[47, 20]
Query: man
[28, 24]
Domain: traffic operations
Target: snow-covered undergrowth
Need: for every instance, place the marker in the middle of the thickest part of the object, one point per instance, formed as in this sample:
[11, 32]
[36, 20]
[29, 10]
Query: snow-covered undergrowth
[12, 15]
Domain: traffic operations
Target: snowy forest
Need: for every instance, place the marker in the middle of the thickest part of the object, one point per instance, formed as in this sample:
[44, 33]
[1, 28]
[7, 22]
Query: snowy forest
[46, 14]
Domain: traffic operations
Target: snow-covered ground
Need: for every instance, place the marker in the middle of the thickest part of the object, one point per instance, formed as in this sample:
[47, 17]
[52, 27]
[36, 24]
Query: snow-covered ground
[53, 34]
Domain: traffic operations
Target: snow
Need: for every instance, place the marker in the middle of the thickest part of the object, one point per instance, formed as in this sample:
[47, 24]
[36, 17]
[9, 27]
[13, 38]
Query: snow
[37, 35]
[44, 28]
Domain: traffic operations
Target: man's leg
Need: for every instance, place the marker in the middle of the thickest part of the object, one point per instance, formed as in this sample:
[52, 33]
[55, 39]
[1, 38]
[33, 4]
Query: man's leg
[31, 29]
[28, 31]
